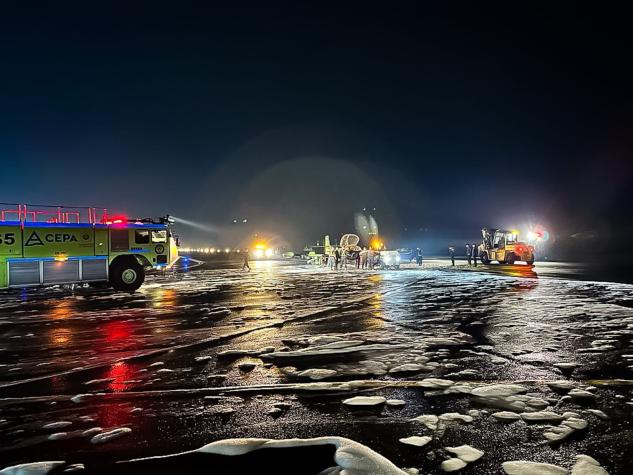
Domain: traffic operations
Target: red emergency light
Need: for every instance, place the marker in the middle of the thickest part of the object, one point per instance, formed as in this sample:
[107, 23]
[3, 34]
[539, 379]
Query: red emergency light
[118, 219]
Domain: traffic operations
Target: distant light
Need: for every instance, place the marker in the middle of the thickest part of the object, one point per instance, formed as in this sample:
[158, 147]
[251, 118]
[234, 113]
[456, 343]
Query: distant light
[245, 220]
[227, 250]
[206, 250]
[269, 252]
[235, 221]
[258, 253]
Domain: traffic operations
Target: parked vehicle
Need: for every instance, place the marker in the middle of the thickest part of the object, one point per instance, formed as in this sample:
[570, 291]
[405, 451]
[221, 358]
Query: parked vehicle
[53, 245]
[504, 247]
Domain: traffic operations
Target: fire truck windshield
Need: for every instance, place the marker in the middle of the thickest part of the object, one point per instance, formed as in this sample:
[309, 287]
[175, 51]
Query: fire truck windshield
[159, 236]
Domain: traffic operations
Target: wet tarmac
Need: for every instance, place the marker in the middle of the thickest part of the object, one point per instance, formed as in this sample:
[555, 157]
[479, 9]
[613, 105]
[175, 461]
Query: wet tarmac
[96, 377]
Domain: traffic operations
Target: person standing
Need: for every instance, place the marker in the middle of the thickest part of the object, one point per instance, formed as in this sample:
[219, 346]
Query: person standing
[451, 253]
[358, 253]
[474, 250]
[337, 258]
[331, 261]
[418, 256]
[370, 259]
[245, 261]
[468, 254]
[344, 259]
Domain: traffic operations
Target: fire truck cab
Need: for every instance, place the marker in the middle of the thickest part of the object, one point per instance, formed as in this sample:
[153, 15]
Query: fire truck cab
[503, 246]
[61, 245]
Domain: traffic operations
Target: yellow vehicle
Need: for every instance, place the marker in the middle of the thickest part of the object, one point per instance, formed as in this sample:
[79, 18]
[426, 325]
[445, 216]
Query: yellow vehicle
[504, 247]
[60, 245]
[261, 250]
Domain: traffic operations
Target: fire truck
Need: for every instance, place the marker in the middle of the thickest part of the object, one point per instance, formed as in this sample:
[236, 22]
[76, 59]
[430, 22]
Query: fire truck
[503, 246]
[53, 245]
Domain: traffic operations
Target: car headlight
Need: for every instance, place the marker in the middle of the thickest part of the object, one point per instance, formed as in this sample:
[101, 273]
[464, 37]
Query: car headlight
[269, 253]
[258, 253]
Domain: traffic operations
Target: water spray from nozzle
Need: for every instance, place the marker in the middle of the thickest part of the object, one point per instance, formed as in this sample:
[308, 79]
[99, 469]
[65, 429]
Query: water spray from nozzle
[203, 227]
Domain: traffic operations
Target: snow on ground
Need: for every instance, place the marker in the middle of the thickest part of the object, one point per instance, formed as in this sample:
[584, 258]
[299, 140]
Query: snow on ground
[515, 367]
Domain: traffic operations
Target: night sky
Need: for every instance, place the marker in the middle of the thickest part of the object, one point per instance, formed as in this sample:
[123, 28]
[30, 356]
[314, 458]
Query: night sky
[296, 117]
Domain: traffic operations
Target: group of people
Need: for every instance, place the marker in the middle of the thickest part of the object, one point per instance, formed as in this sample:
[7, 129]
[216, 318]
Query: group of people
[472, 252]
[339, 257]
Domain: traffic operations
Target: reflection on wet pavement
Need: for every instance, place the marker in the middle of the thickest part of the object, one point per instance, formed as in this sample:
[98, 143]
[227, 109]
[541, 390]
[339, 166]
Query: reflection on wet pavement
[213, 354]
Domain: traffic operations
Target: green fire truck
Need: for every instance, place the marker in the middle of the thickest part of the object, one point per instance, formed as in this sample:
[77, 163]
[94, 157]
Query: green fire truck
[44, 245]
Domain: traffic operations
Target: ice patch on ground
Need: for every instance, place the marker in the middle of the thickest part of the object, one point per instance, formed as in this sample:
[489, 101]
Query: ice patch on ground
[365, 401]
[506, 416]
[541, 416]
[522, 467]
[57, 425]
[110, 435]
[416, 440]
[498, 390]
[466, 453]
[586, 465]
[33, 468]
[353, 458]
[429, 420]
[452, 465]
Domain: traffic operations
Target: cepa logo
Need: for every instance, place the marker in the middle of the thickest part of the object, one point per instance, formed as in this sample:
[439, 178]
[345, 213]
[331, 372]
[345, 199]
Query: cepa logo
[35, 240]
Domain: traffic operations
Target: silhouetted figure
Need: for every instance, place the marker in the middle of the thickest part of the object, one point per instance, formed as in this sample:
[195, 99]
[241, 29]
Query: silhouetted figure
[418, 256]
[468, 253]
[474, 250]
[245, 262]
[451, 253]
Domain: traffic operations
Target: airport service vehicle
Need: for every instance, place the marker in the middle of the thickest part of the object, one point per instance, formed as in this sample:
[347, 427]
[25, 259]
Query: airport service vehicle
[503, 246]
[390, 259]
[349, 243]
[261, 250]
[51, 245]
[406, 254]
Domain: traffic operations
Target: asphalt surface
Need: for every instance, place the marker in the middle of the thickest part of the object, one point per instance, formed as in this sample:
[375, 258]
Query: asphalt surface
[206, 354]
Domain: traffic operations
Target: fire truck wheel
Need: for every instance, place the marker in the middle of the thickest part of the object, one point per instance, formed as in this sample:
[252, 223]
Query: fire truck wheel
[530, 262]
[510, 259]
[126, 274]
[484, 258]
